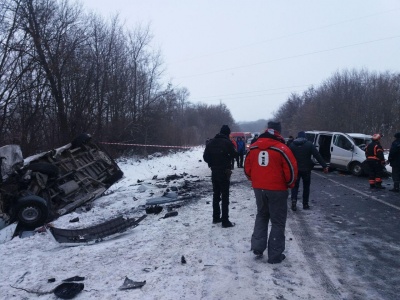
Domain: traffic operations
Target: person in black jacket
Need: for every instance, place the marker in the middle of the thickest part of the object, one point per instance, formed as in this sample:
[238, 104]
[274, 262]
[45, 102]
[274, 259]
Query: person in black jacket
[218, 154]
[394, 160]
[303, 150]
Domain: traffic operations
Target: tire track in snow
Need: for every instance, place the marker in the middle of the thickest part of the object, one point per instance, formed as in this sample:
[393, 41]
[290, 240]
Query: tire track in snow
[310, 247]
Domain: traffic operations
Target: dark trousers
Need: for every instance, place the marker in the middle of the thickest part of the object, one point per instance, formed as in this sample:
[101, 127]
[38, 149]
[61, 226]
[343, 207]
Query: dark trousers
[306, 177]
[396, 174]
[220, 182]
[375, 171]
[271, 206]
[239, 160]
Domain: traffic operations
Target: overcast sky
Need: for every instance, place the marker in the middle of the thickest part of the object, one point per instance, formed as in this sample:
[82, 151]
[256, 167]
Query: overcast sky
[251, 55]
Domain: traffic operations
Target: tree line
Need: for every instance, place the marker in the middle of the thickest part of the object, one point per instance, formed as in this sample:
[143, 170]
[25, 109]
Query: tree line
[349, 101]
[65, 71]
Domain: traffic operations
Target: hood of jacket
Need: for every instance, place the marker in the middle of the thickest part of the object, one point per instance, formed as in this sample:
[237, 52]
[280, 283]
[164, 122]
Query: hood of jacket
[299, 141]
[273, 135]
[264, 143]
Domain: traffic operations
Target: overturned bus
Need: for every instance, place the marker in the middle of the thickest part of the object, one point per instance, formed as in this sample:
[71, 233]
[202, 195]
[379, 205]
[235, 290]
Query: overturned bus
[42, 187]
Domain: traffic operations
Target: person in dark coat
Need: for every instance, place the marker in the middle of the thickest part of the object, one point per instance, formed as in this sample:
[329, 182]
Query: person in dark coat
[218, 154]
[375, 161]
[241, 149]
[394, 160]
[290, 140]
[303, 150]
[254, 139]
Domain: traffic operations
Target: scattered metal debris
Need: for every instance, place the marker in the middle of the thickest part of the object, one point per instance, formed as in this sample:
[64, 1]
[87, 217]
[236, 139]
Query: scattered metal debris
[130, 284]
[170, 214]
[154, 209]
[94, 234]
[75, 278]
[68, 290]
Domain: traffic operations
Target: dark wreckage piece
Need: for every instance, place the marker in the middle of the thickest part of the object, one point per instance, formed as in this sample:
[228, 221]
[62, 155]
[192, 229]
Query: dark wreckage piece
[130, 284]
[68, 290]
[96, 233]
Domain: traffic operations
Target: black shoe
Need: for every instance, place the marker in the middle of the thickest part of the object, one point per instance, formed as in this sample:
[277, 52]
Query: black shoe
[277, 261]
[227, 224]
[306, 206]
[217, 220]
[258, 254]
[294, 208]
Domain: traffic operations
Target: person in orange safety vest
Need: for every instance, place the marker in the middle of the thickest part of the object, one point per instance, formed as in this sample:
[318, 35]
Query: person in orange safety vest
[375, 161]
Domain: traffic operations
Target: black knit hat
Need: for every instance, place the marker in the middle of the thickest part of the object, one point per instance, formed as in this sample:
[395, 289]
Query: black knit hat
[275, 126]
[225, 130]
[301, 134]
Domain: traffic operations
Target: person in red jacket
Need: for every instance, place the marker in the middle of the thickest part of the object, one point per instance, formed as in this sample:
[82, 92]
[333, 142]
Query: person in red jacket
[272, 169]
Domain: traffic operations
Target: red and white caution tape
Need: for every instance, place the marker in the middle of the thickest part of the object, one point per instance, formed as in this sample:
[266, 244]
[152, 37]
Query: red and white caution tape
[143, 145]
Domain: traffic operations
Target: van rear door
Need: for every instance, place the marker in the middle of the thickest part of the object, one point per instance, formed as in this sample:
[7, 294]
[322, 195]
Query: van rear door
[323, 145]
[341, 151]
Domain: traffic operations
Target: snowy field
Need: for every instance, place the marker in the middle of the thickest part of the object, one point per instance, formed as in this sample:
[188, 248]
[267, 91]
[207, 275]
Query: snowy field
[219, 263]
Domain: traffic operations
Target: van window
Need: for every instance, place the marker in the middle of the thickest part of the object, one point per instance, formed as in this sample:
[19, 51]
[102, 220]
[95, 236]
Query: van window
[361, 141]
[342, 142]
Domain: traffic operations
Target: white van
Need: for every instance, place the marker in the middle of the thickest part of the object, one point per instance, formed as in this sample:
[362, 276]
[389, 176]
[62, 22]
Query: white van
[343, 151]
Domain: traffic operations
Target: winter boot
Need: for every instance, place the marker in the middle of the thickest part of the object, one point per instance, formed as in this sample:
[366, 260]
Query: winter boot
[378, 185]
[217, 220]
[294, 202]
[227, 224]
[306, 206]
[396, 187]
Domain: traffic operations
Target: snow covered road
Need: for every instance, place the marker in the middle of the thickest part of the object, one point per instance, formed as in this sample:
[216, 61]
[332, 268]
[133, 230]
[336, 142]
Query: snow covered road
[219, 263]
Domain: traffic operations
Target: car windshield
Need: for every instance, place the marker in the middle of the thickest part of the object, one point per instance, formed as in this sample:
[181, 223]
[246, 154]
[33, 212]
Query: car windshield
[361, 141]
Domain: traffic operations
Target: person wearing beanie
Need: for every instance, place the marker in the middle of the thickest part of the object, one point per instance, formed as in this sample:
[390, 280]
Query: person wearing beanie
[218, 154]
[225, 130]
[303, 150]
[375, 161]
[275, 126]
[394, 160]
[272, 169]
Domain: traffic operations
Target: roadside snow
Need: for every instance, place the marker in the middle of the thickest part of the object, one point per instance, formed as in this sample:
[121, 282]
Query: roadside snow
[219, 263]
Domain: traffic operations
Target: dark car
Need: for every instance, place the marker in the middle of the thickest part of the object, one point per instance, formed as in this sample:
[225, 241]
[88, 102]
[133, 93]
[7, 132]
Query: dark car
[42, 187]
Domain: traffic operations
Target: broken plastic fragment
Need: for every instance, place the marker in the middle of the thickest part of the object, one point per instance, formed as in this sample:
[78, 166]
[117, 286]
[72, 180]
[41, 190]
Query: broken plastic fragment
[170, 214]
[68, 290]
[130, 284]
[75, 278]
